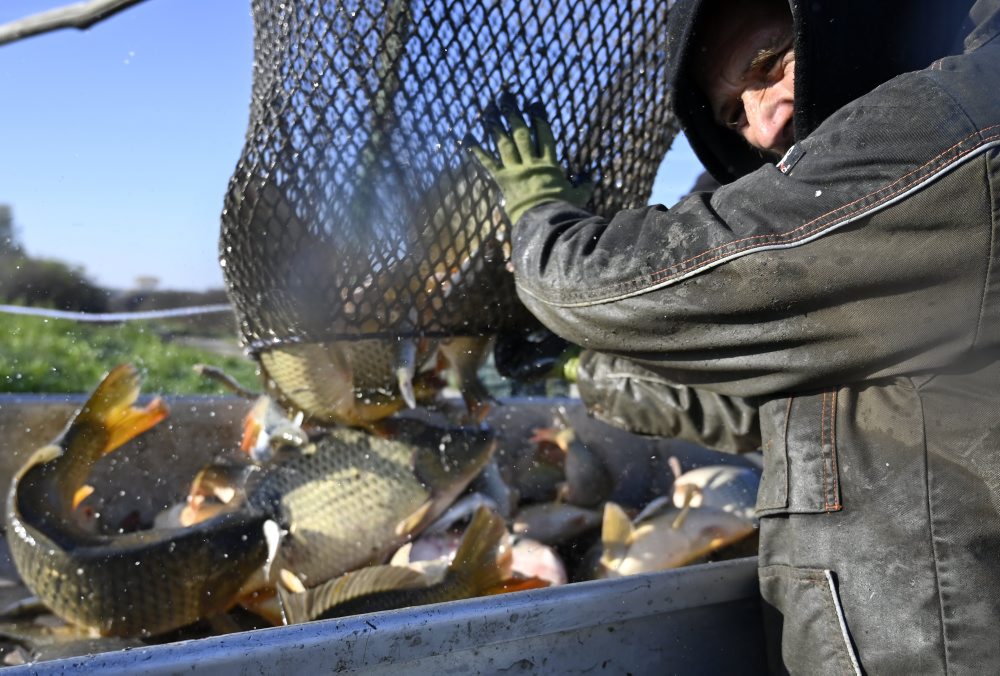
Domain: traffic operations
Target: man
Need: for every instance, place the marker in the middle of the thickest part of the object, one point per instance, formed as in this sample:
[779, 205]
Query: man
[850, 294]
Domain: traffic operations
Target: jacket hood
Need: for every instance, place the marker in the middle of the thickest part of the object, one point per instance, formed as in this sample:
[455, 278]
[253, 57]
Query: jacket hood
[843, 50]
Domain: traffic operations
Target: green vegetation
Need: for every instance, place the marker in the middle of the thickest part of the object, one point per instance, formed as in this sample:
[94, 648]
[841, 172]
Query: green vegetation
[46, 355]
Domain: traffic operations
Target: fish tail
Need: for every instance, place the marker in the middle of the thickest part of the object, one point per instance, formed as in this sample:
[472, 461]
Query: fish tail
[482, 562]
[111, 406]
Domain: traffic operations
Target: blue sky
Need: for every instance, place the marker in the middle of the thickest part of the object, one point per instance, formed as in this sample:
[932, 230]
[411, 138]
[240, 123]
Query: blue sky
[116, 143]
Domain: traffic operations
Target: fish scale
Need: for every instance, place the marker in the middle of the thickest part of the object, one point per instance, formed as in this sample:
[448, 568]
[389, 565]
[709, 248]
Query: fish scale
[345, 501]
[127, 585]
[139, 583]
[349, 381]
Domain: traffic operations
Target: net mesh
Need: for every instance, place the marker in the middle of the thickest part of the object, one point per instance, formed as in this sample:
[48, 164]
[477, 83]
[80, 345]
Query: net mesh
[352, 212]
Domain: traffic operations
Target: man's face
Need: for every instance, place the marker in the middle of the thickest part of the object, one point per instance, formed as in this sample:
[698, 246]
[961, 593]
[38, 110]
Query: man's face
[746, 68]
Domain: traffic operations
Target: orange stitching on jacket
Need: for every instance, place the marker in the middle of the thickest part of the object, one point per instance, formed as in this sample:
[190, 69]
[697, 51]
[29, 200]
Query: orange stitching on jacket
[670, 270]
[822, 446]
[784, 449]
[840, 208]
[834, 469]
[791, 241]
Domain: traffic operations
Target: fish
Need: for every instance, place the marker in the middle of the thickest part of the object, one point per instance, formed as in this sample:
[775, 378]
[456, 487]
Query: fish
[354, 383]
[538, 470]
[429, 554]
[663, 538]
[359, 381]
[352, 497]
[492, 484]
[461, 512]
[217, 488]
[267, 429]
[534, 560]
[588, 482]
[136, 584]
[434, 549]
[481, 564]
[729, 488]
[553, 523]
[463, 356]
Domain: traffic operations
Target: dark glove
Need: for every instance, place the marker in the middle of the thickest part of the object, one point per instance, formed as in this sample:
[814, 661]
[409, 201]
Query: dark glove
[526, 170]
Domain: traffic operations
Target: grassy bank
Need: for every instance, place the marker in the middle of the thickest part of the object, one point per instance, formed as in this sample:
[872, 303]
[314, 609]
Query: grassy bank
[46, 355]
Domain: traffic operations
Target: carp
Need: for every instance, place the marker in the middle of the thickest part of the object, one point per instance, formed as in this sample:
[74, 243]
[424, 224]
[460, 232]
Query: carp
[350, 498]
[390, 365]
[726, 487]
[664, 537]
[481, 565]
[136, 584]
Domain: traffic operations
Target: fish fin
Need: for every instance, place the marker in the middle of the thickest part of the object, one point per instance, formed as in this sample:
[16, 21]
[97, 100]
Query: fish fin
[675, 466]
[415, 520]
[404, 379]
[656, 506]
[264, 603]
[617, 528]
[679, 521]
[476, 561]
[312, 603]
[402, 555]
[225, 494]
[685, 495]
[29, 606]
[516, 584]
[406, 369]
[252, 428]
[478, 401]
[221, 481]
[291, 581]
[111, 406]
[129, 424]
[616, 535]
[82, 493]
[434, 465]
[272, 536]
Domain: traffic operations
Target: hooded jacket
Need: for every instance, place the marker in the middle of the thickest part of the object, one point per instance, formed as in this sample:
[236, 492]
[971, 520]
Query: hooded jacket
[844, 49]
[850, 296]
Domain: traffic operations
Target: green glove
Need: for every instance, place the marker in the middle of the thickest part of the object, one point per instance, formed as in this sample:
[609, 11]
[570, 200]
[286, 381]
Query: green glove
[567, 365]
[526, 170]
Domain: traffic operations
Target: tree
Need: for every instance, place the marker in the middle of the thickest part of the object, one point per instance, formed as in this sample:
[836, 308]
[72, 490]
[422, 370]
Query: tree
[9, 244]
[46, 283]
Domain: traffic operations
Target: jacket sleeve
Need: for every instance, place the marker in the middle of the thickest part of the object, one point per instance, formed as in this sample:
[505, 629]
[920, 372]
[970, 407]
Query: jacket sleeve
[857, 263]
[626, 395]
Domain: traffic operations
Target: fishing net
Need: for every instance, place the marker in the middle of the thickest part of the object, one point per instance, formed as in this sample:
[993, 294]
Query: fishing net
[353, 213]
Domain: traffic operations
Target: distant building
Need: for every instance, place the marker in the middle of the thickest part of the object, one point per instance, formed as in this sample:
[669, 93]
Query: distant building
[146, 283]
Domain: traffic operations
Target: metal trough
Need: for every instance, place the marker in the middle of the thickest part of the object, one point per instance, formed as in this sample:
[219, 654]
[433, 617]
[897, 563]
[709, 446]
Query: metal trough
[702, 619]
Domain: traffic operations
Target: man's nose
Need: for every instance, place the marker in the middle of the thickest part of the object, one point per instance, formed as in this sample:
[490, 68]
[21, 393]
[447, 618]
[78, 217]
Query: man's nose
[765, 122]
